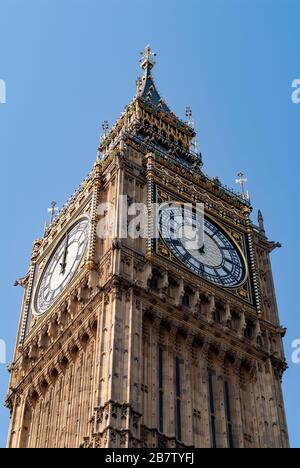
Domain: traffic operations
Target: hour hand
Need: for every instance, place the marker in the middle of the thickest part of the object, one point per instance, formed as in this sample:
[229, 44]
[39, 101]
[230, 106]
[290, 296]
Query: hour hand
[63, 265]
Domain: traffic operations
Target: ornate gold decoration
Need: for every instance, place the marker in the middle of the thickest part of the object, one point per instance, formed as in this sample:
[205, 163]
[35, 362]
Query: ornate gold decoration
[162, 249]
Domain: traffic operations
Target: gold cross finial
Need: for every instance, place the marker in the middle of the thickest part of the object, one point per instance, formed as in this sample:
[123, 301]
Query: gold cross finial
[148, 58]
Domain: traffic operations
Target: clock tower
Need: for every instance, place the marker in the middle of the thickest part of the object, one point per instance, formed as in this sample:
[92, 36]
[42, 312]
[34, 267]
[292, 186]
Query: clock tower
[148, 339]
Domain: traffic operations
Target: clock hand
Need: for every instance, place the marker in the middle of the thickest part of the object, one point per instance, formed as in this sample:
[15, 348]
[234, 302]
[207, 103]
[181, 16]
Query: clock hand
[64, 262]
[202, 249]
[200, 240]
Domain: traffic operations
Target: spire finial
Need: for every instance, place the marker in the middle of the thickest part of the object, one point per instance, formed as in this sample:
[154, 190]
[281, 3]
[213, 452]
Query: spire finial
[191, 123]
[242, 179]
[53, 210]
[189, 115]
[148, 58]
[105, 128]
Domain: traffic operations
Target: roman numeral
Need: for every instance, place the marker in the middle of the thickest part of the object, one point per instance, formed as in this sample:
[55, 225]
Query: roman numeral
[176, 242]
[220, 279]
[232, 262]
[187, 257]
[227, 270]
[46, 296]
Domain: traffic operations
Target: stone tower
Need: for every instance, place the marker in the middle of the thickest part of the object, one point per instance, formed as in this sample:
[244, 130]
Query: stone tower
[141, 341]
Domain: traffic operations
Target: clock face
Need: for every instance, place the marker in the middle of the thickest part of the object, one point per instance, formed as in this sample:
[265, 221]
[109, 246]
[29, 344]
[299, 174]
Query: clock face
[62, 266]
[214, 256]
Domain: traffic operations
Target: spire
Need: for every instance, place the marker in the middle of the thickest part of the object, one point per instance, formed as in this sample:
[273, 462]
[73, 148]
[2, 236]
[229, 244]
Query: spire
[146, 88]
[261, 223]
[148, 59]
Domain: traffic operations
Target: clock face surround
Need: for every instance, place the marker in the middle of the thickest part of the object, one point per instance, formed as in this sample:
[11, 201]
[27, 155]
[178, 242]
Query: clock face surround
[64, 262]
[214, 256]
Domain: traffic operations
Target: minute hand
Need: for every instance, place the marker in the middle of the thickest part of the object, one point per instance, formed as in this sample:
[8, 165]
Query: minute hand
[64, 262]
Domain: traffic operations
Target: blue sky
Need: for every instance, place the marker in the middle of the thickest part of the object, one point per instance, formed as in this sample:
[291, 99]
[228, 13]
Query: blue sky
[70, 64]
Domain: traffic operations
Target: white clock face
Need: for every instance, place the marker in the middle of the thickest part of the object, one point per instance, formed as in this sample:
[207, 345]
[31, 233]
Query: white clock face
[62, 266]
[215, 257]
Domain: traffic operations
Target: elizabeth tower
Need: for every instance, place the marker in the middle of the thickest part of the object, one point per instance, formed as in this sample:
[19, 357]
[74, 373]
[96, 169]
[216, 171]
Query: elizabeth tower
[140, 341]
